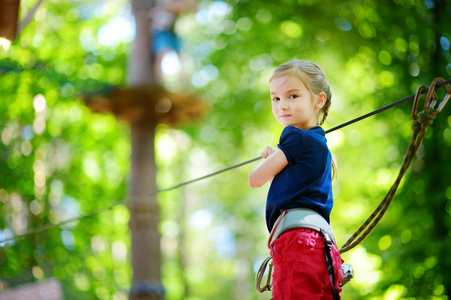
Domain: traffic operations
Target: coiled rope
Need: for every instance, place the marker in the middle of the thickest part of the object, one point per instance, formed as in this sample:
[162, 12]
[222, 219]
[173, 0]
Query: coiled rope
[372, 221]
[420, 124]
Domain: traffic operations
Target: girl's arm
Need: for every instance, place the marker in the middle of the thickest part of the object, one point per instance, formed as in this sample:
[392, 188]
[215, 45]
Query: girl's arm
[274, 162]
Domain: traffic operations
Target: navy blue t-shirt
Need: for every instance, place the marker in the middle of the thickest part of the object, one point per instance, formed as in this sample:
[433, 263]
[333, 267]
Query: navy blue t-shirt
[306, 182]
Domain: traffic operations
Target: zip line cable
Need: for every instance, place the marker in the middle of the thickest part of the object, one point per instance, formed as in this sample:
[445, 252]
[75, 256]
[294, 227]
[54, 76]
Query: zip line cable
[151, 194]
[423, 91]
[123, 202]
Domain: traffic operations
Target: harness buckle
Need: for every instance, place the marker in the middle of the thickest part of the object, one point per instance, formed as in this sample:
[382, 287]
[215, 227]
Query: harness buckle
[327, 239]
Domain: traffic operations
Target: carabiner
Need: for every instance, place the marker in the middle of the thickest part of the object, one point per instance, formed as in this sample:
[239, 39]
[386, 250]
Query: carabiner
[261, 273]
[429, 104]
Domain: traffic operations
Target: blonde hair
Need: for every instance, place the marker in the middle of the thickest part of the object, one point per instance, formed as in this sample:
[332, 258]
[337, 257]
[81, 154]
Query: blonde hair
[312, 75]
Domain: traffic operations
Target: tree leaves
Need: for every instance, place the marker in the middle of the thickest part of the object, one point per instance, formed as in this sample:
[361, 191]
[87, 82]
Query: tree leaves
[63, 160]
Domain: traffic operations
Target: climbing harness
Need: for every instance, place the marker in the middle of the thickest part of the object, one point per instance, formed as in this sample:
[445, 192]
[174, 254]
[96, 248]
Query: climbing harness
[299, 218]
[421, 121]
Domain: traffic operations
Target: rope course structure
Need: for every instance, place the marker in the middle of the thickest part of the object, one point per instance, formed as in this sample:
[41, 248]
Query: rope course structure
[420, 123]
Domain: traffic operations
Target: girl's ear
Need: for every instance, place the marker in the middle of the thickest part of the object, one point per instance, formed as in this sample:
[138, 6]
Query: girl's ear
[320, 100]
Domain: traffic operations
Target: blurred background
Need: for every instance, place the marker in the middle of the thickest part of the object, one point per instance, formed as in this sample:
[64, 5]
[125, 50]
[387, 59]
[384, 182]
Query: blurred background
[66, 149]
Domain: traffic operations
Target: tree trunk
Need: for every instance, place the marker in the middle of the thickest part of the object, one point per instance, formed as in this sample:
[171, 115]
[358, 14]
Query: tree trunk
[438, 178]
[144, 214]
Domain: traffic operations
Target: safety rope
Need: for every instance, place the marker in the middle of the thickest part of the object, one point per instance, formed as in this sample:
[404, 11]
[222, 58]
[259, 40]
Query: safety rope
[424, 89]
[123, 202]
[420, 124]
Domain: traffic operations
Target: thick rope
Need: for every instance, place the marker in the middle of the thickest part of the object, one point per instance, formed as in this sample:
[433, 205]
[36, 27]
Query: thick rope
[376, 216]
[419, 127]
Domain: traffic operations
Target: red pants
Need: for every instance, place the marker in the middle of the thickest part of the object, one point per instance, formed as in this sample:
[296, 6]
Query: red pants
[300, 269]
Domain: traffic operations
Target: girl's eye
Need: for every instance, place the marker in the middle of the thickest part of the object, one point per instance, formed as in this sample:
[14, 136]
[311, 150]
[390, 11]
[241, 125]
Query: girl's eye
[275, 99]
[293, 96]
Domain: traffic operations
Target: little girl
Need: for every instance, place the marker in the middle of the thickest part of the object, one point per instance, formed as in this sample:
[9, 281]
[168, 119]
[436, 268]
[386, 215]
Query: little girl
[300, 199]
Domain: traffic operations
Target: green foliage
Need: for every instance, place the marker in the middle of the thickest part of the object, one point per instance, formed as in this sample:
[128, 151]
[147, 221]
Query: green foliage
[373, 54]
[58, 160]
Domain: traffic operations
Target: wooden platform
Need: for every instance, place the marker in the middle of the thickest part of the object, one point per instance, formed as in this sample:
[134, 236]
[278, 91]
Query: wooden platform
[135, 105]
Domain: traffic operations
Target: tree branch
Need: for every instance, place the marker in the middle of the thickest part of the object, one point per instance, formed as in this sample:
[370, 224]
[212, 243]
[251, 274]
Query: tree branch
[28, 17]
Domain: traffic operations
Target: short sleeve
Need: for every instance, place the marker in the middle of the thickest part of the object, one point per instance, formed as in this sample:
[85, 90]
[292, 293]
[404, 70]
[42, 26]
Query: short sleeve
[290, 143]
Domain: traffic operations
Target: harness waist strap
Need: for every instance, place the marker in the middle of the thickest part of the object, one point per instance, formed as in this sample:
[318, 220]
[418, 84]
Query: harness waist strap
[301, 218]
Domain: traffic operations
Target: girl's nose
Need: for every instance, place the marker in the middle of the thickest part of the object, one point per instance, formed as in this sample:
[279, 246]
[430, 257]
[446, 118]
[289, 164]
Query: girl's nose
[283, 106]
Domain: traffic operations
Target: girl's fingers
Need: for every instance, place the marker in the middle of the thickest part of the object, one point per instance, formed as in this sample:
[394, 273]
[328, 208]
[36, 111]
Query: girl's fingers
[268, 151]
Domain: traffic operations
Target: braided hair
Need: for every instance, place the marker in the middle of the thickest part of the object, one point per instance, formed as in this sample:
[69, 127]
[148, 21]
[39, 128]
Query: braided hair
[312, 75]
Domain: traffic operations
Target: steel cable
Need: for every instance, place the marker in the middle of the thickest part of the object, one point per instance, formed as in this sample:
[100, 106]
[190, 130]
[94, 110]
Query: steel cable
[151, 194]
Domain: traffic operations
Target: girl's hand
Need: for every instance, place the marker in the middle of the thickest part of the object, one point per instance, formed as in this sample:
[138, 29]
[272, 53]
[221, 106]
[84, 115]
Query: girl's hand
[268, 151]
[273, 163]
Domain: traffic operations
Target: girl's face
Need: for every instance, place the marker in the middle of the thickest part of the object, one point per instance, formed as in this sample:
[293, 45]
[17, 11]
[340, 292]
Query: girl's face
[293, 104]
